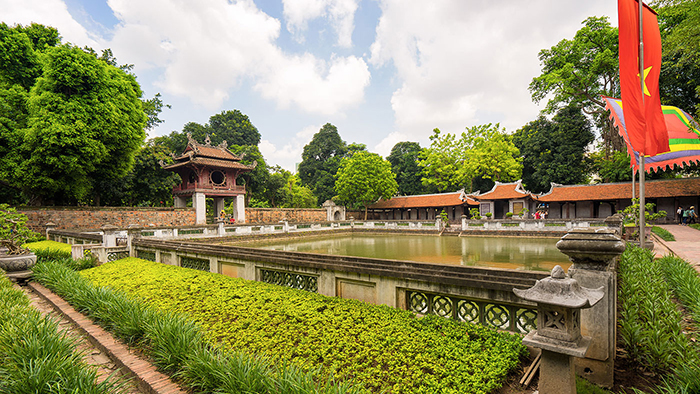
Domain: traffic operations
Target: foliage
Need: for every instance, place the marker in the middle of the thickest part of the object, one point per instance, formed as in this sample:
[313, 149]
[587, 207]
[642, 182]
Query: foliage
[509, 215]
[554, 150]
[255, 181]
[382, 348]
[579, 71]
[176, 345]
[444, 219]
[365, 178]
[482, 152]
[488, 214]
[650, 322]
[474, 213]
[46, 359]
[64, 250]
[320, 161]
[404, 163]
[14, 232]
[663, 233]
[615, 168]
[631, 213]
[695, 226]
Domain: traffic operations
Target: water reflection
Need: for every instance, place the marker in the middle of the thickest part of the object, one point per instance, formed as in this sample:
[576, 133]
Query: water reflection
[496, 252]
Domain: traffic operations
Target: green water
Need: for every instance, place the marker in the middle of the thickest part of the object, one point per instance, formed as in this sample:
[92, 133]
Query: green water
[498, 252]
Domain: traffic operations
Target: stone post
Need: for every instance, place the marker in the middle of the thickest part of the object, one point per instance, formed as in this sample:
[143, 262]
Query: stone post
[50, 226]
[239, 209]
[109, 237]
[199, 203]
[594, 253]
[179, 202]
[559, 301]
[133, 231]
[465, 225]
[285, 226]
[218, 207]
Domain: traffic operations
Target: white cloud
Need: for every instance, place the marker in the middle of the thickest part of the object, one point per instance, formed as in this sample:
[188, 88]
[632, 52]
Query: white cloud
[341, 14]
[288, 155]
[384, 147]
[462, 63]
[207, 49]
[52, 13]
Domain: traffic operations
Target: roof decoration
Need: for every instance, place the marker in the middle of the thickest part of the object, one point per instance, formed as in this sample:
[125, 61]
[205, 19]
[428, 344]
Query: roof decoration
[504, 191]
[208, 155]
[614, 191]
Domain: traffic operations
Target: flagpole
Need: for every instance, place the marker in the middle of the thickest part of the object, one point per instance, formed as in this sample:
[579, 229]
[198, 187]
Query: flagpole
[642, 205]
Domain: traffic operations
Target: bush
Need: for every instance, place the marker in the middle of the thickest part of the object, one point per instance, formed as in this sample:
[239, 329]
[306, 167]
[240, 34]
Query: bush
[380, 348]
[176, 344]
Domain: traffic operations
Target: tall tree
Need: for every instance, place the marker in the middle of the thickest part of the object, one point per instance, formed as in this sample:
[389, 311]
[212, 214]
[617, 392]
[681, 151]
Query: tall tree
[555, 151]
[364, 178]
[320, 162]
[441, 163]
[234, 127]
[491, 155]
[579, 71]
[404, 163]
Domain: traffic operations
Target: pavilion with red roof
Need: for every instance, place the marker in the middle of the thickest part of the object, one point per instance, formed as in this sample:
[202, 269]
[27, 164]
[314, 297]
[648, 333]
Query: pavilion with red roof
[209, 171]
[426, 206]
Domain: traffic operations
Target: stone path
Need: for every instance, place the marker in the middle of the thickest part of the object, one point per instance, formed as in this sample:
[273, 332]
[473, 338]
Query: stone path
[101, 349]
[686, 245]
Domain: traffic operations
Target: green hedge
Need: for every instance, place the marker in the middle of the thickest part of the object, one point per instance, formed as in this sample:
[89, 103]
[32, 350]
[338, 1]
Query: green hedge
[663, 233]
[378, 347]
[38, 358]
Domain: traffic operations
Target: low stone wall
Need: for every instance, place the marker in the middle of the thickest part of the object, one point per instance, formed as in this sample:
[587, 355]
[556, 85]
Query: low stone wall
[77, 218]
[292, 215]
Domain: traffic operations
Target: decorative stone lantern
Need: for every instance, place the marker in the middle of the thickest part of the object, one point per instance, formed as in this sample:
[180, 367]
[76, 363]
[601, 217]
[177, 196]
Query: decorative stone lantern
[559, 301]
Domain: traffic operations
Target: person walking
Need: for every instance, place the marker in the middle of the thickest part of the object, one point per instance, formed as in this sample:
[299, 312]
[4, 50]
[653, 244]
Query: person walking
[679, 212]
[692, 216]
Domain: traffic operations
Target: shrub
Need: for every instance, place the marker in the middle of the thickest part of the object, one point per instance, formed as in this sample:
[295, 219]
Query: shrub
[380, 348]
[14, 231]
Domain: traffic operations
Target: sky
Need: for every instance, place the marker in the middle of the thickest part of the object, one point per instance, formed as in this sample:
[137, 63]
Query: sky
[381, 71]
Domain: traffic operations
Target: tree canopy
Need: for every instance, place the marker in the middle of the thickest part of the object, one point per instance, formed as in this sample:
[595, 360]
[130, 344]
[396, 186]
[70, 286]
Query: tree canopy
[320, 161]
[554, 150]
[404, 163]
[364, 178]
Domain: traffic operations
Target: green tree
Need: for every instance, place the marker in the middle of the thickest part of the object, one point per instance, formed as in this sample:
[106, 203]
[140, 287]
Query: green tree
[320, 162]
[441, 163]
[256, 180]
[404, 158]
[234, 127]
[579, 71]
[491, 155]
[364, 178]
[555, 151]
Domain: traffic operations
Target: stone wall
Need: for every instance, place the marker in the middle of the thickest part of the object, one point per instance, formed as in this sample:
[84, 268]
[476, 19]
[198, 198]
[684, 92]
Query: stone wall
[292, 215]
[96, 217]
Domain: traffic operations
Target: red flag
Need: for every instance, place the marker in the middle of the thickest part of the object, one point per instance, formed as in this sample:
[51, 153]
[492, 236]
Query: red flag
[644, 119]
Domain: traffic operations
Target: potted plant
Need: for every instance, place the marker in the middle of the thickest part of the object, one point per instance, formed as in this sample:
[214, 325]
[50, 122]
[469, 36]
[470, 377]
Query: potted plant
[474, 213]
[488, 215]
[631, 219]
[524, 212]
[509, 215]
[15, 259]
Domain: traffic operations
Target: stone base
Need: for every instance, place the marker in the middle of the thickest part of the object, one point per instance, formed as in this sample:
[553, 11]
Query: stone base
[20, 277]
[601, 373]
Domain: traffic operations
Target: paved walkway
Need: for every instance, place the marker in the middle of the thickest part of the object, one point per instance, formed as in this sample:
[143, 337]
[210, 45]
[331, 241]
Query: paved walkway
[686, 245]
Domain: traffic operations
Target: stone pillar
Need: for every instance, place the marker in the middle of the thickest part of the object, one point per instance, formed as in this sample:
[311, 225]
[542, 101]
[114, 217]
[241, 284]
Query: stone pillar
[218, 206]
[180, 202]
[50, 226]
[560, 300]
[200, 208]
[239, 209]
[465, 225]
[133, 231]
[594, 253]
[109, 237]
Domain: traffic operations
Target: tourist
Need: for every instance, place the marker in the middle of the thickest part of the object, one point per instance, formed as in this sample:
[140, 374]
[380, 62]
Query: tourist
[692, 216]
[686, 215]
[679, 212]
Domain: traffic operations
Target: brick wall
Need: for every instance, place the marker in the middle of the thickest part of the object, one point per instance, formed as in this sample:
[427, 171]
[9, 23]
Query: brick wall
[96, 217]
[292, 215]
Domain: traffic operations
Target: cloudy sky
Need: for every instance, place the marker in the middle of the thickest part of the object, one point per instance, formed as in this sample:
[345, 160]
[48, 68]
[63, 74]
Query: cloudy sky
[382, 71]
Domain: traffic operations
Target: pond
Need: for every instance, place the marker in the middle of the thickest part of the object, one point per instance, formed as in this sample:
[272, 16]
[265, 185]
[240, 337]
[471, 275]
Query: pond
[520, 253]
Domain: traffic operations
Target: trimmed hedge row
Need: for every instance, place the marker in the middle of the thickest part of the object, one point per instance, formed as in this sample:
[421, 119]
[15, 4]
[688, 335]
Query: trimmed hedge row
[176, 345]
[35, 357]
[378, 347]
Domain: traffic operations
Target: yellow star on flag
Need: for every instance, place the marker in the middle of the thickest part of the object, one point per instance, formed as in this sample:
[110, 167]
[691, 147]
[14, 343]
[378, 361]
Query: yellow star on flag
[646, 72]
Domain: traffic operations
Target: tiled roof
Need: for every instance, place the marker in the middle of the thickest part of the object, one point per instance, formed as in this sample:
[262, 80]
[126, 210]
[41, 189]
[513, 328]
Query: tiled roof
[504, 191]
[211, 163]
[615, 191]
[425, 201]
[208, 151]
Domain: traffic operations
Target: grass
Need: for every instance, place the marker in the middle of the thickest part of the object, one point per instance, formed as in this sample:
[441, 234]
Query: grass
[36, 356]
[695, 226]
[49, 245]
[663, 233]
[650, 321]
